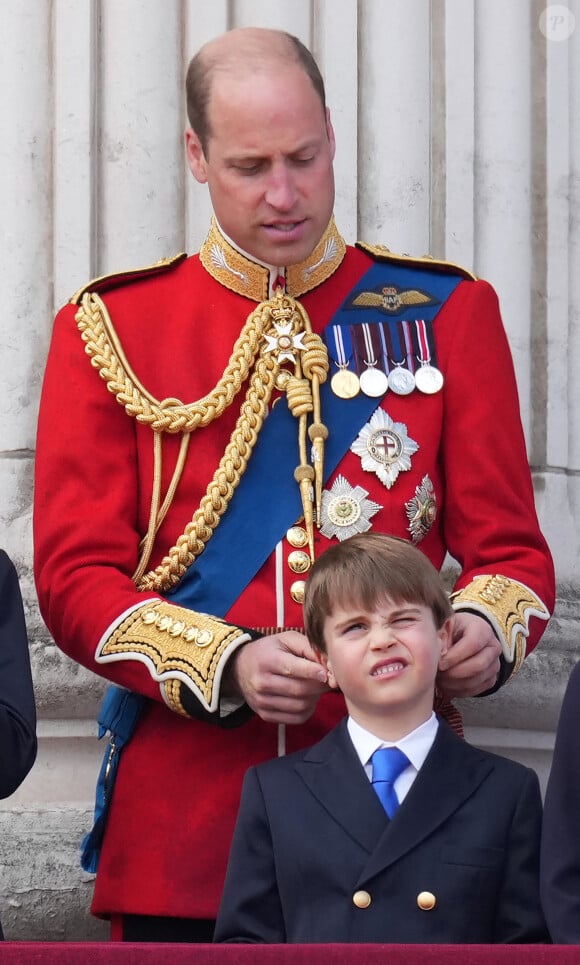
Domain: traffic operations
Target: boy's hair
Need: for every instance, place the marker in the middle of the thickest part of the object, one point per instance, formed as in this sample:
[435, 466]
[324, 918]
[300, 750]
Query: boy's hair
[365, 570]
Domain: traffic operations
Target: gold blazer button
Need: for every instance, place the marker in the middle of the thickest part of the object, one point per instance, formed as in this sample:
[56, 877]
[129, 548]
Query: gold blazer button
[426, 900]
[361, 899]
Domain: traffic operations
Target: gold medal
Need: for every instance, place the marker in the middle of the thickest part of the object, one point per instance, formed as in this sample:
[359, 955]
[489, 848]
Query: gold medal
[345, 384]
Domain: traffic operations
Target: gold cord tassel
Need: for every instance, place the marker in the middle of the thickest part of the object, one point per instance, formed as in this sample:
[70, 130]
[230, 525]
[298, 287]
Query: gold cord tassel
[292, 339]
[315, 367]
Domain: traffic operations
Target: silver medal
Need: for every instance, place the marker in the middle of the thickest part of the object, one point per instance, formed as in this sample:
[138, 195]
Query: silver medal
[374, 382]
[428, 379]
[401, 381]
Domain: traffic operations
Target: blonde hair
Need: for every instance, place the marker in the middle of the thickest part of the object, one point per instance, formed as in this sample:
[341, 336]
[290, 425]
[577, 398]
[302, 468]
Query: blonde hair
[366, 569]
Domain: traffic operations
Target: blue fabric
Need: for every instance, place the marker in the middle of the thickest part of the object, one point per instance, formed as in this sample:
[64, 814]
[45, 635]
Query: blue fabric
[387, 764]
[118, 716]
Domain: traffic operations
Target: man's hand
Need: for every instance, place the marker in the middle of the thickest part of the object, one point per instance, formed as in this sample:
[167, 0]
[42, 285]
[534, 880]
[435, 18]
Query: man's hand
[471, 664]
[279, 677]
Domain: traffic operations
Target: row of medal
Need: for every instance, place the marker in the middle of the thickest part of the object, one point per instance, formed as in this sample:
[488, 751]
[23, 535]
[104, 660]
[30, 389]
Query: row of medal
[384, 355]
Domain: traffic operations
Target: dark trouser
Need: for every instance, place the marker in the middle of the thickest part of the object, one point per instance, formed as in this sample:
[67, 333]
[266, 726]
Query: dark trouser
[149, 928]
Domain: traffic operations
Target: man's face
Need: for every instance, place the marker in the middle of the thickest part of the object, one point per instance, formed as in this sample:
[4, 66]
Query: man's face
[385, 661]
[268, 164]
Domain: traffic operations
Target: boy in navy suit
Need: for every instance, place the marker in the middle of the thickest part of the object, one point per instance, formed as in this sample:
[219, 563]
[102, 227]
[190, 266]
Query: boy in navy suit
[329, 846]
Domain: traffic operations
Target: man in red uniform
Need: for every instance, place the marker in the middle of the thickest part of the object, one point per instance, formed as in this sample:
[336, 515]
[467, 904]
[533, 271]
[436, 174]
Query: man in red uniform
[275, 393]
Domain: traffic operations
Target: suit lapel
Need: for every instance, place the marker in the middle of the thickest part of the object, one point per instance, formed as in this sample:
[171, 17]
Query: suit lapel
[333, 773]
[451, 773]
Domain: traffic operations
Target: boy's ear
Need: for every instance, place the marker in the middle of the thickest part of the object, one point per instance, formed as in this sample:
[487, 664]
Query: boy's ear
[323, 659]
[445, 635]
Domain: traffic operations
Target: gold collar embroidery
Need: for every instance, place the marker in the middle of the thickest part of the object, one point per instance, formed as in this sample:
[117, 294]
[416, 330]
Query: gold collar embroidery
[246, 277]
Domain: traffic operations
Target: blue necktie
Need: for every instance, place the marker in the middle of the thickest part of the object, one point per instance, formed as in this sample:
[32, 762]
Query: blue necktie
[388, 763]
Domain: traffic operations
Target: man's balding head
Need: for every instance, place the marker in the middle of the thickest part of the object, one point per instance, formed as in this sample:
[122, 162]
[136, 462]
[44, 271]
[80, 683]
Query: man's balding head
[242, 52]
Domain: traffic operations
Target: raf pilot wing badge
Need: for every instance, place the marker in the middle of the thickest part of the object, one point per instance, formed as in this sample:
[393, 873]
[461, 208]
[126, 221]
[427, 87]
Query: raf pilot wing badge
[390, 299]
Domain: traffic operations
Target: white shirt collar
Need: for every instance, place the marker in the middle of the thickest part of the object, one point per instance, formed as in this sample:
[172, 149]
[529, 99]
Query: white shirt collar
[415, 745]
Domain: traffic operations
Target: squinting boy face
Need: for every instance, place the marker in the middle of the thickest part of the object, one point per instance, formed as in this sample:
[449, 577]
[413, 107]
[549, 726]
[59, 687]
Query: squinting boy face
[269, 163]
[385, 661]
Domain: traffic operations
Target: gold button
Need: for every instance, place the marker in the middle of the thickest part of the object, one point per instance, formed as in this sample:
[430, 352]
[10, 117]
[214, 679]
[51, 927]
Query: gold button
[361, 899]
[426, 901]
[299, 561]
[297, 536]
[204, 638]
[297, 591]
[282, 379]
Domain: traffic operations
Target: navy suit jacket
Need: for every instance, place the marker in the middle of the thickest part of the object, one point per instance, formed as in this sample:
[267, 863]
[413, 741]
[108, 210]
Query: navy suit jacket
[313, 845]
[17, 709]
[560, 864]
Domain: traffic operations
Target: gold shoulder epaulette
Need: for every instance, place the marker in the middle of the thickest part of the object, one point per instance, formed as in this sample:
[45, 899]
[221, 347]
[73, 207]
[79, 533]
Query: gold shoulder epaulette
[105, 282]
[382, 253]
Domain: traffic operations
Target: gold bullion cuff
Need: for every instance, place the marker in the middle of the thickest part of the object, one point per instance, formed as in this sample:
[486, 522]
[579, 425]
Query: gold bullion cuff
[508, 606]
[178, 646]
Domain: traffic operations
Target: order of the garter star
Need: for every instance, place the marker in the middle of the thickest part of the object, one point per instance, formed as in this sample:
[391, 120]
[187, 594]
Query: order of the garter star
[385, 447]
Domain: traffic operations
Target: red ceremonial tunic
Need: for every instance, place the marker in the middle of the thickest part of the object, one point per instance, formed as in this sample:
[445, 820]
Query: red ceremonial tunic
[177, 791]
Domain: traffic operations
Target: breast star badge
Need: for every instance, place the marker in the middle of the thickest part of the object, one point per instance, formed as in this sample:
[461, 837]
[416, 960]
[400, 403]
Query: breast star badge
[346, 510]
[421, 510]
[385, 447]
